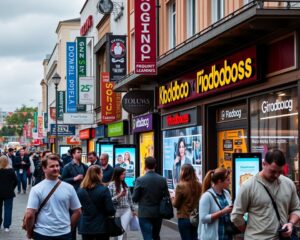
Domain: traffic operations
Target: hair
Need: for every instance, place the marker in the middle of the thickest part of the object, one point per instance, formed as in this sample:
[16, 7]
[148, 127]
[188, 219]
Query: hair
[118, 171]
[92, 153]
[105, 155]
[179, 141]
[45, 152]
[4, 164]
[73, 150]
[275, 156]
[188, 175]
[92, 177]
[150, 162]
[213, 176]
[128, 154]
[53, 157]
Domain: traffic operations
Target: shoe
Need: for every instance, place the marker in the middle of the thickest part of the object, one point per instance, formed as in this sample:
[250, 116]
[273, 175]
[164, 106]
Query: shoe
[19, 192]
[6, 229]
[24, 192]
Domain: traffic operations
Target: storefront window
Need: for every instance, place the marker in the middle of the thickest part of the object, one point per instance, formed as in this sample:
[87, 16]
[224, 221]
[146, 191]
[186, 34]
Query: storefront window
[274, 125]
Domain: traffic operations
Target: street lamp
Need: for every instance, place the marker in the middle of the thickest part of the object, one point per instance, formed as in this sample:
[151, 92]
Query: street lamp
[56, 79]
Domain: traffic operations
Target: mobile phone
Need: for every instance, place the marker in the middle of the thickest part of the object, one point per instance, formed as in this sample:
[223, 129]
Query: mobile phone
[282, 229]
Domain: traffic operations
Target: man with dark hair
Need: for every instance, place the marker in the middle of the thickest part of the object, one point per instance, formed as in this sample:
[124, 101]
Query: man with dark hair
[21, 165]
[92, 158]
[67, 157]
[255, 195]
[148, 192]
[11, 156]
[106, 169]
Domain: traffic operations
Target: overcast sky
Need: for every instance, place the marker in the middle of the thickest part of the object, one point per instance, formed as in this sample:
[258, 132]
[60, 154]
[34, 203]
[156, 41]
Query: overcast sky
[27, 30]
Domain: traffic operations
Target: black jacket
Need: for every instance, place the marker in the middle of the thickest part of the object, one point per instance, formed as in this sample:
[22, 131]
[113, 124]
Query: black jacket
[8, 182]
[18, 165]
[148, 192]
[96, 207]
[70, 171]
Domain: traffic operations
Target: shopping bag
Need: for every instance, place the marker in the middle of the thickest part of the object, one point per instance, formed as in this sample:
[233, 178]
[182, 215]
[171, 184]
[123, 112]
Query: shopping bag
[134, 224]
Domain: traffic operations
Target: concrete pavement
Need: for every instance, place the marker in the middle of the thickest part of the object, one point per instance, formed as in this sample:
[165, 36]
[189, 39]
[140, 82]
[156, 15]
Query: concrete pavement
[17, 233]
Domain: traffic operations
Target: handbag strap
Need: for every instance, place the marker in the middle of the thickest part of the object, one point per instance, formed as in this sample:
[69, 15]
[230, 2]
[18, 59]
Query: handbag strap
[48, 196]
[214, 197]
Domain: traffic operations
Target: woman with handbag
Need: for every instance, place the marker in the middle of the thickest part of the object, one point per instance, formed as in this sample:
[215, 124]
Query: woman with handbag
[121, 198]
[215, 205]
[97, 206]
[186, 199]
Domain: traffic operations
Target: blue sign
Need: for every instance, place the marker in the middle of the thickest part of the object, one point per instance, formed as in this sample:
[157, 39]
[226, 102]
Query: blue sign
[100, 132]
[62, 130]
[71, 79]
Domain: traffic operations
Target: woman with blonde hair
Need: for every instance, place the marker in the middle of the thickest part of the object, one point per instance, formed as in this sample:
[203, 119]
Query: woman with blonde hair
[186, 199]
[96, 205]
[215, 205]
[8, 183]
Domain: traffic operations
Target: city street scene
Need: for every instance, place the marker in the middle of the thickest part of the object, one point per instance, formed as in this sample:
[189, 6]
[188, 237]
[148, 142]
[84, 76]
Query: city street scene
[149, 120]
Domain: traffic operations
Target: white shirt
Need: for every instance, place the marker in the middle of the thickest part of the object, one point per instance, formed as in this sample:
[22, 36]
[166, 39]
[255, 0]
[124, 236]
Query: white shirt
[54, 218]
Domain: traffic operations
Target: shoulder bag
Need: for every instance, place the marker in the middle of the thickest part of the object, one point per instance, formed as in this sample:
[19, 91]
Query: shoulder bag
[194, 217]
[294, 234]
[230, 228]
[166, 207]
[26, 225]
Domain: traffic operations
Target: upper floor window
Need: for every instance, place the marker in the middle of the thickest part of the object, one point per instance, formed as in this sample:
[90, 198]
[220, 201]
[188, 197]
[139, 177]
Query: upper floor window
[172, 24]
[218, 10]
[247, 1]
[191, 17]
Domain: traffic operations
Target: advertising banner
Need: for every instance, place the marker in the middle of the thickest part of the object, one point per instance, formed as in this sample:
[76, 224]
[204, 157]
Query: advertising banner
[81, 56]
[61, 95]
[62, 129]
[53, 113]
[45, 120]
[115, 129]
[145, 37]
[181, 146]
[35, 117]
[71, 79]
[40, 127]
[142, 123]
[111, 110]
[146, 149]
[117, 57]
[86, 90]
[109, 149]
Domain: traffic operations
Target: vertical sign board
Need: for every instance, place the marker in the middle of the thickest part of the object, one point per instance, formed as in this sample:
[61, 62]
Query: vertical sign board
[71, 98]
[35, 116]
[45, 120]
[110, 101]
[117, 57]
[145, 37]
[60, 104]
[40, 127]
[86, 90]
[81, 66]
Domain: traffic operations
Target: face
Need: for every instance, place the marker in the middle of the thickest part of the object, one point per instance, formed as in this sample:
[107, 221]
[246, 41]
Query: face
[122, 176]
[22, 152]
[77, 155]
[181, 149]
[52, 169]
[120, 160]
[92, 158]
[271, 172]
[226, 183]
[103, 160]
[126, 156]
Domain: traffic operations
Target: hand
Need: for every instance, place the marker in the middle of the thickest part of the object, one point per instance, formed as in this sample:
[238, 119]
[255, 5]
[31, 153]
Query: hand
[122, 194]
[23, 162]
[134, 213]
[227, 209]
[177, 159]
[289, 227]
[78, 177]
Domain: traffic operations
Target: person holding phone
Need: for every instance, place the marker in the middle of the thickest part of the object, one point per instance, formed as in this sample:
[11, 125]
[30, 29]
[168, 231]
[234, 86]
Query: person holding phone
[121, 198]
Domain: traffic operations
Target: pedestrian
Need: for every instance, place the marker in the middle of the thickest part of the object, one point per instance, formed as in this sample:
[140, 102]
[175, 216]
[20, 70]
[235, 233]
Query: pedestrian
[30, 170]
[22, 164]
[186, 199]
[67, 158]
[74, 171]
[254, 197]
[148, 193]
[122, 200]
[215, 195]
[8, 183]
[93, 159]
[96, 206]
[11, 156]
[54, 220]
[38, 173]
[106, 168]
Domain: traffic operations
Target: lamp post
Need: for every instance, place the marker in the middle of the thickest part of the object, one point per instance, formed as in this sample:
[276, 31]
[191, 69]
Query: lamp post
[56, 79]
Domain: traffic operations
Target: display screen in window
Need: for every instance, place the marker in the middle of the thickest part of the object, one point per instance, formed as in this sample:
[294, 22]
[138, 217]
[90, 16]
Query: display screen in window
[274, 125]
[181, 146]
[146, 149]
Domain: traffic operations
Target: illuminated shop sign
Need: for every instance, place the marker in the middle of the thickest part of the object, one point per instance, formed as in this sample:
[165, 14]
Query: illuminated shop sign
[269, 107]
[181, 119]
[86, 26]
[177, 119]
[233, 113]
[231, 72]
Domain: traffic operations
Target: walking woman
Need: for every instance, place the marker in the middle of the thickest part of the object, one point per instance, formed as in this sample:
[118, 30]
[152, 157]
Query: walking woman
[96, 205]
[121, 197]
[212, 218]
[186, 199]
[8, 183]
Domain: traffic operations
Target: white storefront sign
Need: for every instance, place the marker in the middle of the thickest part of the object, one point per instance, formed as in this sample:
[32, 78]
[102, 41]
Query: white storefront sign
[78, 118]
[86, 90]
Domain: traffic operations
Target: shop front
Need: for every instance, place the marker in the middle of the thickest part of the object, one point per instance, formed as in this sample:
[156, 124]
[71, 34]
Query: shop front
[87, 141]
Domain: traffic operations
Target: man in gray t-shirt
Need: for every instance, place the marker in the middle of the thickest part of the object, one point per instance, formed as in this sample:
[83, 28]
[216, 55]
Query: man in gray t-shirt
[54, 219]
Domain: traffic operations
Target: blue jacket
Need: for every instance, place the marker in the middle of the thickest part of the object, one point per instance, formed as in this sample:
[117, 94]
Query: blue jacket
[96, 207]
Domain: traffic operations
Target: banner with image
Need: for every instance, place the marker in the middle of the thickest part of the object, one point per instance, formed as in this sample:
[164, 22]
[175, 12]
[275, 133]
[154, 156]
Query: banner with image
[146, 149]
[86, 90]
[71, 78]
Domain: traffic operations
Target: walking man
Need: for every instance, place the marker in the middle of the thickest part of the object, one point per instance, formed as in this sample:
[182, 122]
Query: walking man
[106, 169]
[54, 220]
[92, 158]
[21, 166]
[253, 197]
[148, 192]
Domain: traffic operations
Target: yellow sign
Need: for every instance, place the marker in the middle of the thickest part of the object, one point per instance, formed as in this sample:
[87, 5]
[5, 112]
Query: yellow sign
[176, 91]
[146, 149]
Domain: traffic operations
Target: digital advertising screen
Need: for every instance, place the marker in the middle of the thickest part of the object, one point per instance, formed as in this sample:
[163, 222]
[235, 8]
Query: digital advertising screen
[146, 148]
[125, 156]
[109, 149]
[63, 150]
[245, 166]
[181, 146]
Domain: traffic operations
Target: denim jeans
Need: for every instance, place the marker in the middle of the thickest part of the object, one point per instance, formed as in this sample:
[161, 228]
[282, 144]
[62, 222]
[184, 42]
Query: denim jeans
[150, 228]
[22, 178]
[186, 229]
[8, 205]
[37, 236]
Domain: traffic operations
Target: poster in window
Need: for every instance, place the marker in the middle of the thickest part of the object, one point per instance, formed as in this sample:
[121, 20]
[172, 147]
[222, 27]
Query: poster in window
[146, 149]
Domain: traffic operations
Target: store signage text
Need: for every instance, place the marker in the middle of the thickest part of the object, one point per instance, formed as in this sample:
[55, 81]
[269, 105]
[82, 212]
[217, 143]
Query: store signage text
[142, 123]
[116, 129]
[138, 101]
[86, 26]
[178, 119]
[174, 92]
[232, 113]
[71, 78]
[267, 107]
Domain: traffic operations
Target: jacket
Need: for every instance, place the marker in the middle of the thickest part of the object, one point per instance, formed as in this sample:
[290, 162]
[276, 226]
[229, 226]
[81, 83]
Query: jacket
[8, 182]
[96, 207]
[18, 165]
[148, 192]
[70, 171]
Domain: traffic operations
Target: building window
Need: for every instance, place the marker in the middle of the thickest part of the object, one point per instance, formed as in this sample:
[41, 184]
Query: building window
[191, 17]
[218, 10]
[247, 1]
[172, 24]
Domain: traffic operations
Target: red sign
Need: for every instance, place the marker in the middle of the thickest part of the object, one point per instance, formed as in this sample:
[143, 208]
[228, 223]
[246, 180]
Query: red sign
[85, 134]
[40, 127]
[86, 26]
[53, 113]
[110, 101]
[145, 37]
[37, 142]
[177, 119]
[73, 140]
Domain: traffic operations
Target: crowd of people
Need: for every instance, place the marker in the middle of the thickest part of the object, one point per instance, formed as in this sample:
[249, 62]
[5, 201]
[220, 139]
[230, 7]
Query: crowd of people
[69, 196]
